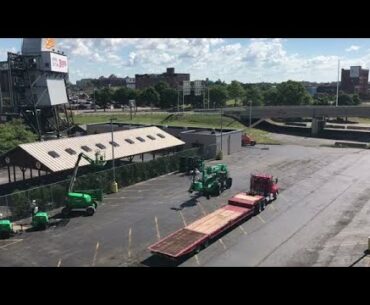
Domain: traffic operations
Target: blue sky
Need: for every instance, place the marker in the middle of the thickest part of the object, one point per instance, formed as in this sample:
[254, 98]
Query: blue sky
[246, 60]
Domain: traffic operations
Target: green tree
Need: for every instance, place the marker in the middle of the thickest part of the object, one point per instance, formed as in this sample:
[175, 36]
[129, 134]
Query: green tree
[218, 95]
[161, 87]
[121, 95]
[291, 93]
[356, 100]
[254, 94]
[345, 99]
[168, 98]
[103, 97]
[270, 96]
[235, 90]
[149, 96]
[14, 133]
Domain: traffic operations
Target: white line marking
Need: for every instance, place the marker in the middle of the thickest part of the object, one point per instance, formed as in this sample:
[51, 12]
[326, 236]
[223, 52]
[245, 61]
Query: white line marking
[222, 243]
[242, 229]
[157, 228]
[183, 219]
[59, 262]
[96, 253]
[129, 243]
[260, 218]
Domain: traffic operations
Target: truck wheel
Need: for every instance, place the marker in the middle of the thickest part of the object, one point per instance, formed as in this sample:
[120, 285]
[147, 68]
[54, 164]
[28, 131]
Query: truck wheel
[65, 212]
[90, 211]
[275, 196]
[218, 190]
[229, 182]
[253, 143]
[257, 209]
[4, 235]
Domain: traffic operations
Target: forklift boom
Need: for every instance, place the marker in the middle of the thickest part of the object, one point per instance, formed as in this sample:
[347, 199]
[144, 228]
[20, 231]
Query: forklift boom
[91, 161]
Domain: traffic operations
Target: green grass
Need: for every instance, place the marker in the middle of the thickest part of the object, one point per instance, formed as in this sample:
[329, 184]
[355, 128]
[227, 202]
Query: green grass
[173, 119]
[231, 103]
[360, 120]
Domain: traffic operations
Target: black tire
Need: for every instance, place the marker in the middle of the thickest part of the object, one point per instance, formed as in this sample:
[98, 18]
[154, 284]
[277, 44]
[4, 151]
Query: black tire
[263, 205]
[66, 211]
[90, 211]
[218, 189]
[275, 196]
[253, 143]
[4, 235]
[229, 182]
[257, 209]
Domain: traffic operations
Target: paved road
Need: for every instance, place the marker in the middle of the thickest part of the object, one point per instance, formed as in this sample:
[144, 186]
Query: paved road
[323, 189]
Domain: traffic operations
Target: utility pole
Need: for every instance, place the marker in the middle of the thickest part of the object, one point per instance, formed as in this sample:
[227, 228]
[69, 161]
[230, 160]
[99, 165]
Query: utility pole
[94, 100]
[178, 100]
[221, 127]
[250, 113]
[183, 101]
[336, 102]
[114, 183]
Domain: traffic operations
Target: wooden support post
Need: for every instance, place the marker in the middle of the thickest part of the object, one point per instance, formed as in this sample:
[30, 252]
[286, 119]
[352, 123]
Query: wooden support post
[142, 157]
[39, 173]
[15, 178]
[31, 172]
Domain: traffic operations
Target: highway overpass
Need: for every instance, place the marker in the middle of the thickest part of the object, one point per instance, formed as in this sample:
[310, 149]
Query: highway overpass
[317, 113]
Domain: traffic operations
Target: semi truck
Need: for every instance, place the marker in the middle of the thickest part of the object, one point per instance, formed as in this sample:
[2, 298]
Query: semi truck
[193, 238]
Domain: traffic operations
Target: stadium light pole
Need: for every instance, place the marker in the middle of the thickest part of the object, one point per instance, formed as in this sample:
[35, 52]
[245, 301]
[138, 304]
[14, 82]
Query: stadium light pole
[336, 102]
[250, 113]
[114, 183]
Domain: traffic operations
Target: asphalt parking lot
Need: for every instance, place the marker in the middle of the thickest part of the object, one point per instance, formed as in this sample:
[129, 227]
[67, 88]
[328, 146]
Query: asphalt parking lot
[319, 219]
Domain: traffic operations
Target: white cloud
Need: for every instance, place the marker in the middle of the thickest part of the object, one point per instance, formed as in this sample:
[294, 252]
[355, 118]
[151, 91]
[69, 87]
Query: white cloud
[4, 53]
[260, 59]
[353, 48]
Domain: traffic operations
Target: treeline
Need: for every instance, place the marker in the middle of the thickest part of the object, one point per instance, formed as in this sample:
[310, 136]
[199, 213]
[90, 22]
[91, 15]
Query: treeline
[222, 94]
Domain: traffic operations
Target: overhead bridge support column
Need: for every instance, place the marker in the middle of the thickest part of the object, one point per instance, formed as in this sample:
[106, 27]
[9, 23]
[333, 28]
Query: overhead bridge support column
[318, 124]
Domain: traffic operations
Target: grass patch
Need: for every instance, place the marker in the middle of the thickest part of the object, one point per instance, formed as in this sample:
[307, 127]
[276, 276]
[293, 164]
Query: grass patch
[360, 120]
[177, 119]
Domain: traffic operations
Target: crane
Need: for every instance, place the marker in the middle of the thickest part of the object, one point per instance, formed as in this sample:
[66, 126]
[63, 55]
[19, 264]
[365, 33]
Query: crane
[85, 200]
[98, 162]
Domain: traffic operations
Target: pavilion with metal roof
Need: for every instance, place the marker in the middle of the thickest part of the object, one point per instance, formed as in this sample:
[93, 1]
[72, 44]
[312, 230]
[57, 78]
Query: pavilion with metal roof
[61, 154]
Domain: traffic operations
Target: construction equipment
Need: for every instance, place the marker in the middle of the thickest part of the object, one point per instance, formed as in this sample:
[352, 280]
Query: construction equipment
[247, 140]
[84, 201]
[6, 228]
[210, 180]
[263, 189]
[40, 220]
[199, 234]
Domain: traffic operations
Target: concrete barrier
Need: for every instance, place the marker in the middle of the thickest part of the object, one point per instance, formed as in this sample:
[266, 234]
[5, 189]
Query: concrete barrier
[351, 144]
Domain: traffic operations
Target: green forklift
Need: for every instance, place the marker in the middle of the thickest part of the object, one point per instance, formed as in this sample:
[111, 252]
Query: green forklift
[40, 220]
[210, 180]
[6, 228]
[86, 200]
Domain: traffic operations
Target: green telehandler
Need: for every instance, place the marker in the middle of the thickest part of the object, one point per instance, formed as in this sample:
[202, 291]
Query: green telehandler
[86, 200]
[210, 180]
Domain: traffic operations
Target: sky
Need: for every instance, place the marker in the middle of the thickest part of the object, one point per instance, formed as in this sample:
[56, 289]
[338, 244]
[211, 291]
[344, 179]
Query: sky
[245, 60]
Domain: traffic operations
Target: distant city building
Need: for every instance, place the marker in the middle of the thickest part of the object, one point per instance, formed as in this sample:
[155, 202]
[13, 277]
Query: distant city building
[111, 81]
[355, 80]
[327, 88]
[311, 90]
[173, 79]
[130, 82]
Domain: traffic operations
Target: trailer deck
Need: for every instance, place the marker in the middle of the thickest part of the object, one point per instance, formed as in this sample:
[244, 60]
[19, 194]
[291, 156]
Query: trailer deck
[178, 243]
[190, 238]
[217, 220]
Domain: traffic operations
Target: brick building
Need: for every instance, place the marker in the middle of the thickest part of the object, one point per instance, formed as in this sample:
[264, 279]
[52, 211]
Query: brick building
[173, 79]
[355, 80]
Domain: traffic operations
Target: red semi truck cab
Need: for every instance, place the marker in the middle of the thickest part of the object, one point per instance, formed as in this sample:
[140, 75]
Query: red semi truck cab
[264, 185]
[247, 140]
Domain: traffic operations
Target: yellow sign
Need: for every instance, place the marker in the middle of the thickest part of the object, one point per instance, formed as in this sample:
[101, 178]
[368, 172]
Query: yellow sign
[49, 43]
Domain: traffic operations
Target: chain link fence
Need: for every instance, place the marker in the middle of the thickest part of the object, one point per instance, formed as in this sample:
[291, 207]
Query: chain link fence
[16, 205]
